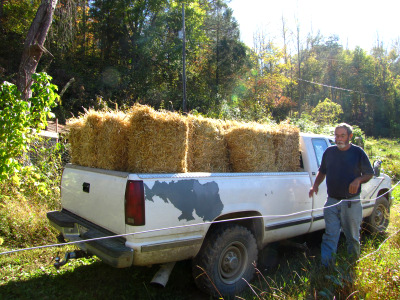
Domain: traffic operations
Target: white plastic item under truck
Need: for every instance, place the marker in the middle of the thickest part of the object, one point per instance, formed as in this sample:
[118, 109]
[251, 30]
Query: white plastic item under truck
[261, 207]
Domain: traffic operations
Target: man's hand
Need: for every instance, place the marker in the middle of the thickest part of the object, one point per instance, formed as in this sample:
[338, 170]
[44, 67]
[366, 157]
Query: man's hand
[312, 191]
[353, 187]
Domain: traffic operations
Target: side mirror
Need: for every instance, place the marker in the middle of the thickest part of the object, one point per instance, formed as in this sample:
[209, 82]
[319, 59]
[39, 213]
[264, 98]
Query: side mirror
[377, 167]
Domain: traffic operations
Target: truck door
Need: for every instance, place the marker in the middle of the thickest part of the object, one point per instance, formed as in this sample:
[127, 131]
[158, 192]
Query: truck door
[319, 146]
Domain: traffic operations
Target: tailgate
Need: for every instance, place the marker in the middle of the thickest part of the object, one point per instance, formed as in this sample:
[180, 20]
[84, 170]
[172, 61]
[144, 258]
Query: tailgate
[96, 195]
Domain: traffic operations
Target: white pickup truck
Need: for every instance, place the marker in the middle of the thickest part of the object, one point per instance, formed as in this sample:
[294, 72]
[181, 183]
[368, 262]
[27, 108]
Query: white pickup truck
[220, 220]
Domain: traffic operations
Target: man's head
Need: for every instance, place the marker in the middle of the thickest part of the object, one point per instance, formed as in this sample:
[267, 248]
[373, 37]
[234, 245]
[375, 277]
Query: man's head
[343, 135]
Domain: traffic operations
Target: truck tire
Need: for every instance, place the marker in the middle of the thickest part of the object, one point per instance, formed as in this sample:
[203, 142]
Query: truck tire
[378, 221]
[225, 259]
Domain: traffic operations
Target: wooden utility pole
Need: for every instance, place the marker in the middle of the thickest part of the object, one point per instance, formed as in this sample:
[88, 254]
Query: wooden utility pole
[184, 108]
[33, 46]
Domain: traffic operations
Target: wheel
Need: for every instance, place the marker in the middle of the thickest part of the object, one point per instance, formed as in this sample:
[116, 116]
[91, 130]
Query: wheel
[378, 221]
[227, 257]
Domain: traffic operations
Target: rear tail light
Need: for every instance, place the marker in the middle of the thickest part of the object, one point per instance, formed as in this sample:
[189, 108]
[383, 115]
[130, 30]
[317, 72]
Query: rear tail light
[134, 203]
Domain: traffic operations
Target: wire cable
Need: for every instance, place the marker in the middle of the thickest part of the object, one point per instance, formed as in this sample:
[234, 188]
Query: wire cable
[338, 88]
[380, 246]
[192, 225]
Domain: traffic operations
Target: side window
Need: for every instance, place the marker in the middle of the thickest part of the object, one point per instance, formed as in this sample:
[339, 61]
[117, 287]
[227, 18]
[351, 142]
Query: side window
[319, 147]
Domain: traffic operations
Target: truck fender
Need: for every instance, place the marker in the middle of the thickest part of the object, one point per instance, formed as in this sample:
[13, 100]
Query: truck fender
[252, 220]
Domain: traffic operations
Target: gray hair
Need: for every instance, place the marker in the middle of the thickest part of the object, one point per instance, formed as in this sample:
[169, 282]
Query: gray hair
[346, 126]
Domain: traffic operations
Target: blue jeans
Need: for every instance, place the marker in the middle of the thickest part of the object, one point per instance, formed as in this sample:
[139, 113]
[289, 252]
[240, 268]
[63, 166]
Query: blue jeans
[345, 217]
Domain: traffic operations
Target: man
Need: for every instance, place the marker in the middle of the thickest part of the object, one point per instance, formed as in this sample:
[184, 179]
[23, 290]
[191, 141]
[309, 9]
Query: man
[345, 167]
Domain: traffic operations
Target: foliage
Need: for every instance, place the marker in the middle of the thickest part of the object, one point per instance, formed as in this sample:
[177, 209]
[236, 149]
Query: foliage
[15, 20]
[327, 112]
[124, 51]
[17, 15]
[21, 120]
[128, 51]
[24, 203]
[365, 85]
[378, 274]
[307, 125]
[388, 151]
[265, 83]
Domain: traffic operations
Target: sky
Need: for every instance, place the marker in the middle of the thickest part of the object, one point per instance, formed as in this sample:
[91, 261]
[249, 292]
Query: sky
[356, 22]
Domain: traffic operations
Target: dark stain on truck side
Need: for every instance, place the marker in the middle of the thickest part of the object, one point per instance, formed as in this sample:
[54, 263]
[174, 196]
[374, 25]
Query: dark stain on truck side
[188, 196]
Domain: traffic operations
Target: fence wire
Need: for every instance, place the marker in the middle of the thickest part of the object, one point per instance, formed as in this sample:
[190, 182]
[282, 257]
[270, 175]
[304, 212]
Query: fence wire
[189, 225]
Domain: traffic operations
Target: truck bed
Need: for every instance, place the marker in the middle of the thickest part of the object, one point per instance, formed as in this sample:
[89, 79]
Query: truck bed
[187, 198]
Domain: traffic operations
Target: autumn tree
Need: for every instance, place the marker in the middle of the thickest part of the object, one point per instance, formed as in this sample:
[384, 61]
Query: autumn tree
[266, 82]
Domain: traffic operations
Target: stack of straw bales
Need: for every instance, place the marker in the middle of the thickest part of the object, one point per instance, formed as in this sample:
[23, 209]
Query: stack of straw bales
[147, 141]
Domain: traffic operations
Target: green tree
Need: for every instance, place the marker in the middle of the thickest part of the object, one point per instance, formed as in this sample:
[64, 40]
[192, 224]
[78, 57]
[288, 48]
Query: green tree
[327, 112]
[226, 56]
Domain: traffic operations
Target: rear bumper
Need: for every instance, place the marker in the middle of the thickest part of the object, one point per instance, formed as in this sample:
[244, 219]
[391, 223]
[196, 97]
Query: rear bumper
[112, 250]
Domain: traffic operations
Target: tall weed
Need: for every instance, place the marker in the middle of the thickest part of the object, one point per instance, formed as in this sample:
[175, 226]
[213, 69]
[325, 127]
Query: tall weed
[388, 151]
[378, 274]
[26, 198]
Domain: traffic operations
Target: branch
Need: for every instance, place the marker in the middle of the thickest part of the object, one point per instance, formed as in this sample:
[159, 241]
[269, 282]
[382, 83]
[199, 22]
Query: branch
[72, 80]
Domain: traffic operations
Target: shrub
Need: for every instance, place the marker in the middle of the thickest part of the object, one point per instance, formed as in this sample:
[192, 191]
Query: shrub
[21, 120]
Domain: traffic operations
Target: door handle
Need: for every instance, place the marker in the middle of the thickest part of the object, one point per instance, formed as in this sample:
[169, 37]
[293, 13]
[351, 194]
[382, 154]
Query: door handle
[86, 187]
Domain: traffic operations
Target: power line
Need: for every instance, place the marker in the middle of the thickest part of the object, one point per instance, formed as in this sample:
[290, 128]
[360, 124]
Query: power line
[338, 88]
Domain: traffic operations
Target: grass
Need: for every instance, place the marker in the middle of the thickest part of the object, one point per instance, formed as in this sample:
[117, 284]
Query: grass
[283, 272]
[298, 275]
[30, 275]
[295, 275]
[389, 152]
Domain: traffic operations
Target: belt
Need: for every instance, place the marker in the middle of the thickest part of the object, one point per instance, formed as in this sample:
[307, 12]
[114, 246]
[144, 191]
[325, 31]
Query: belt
[348, 203]
[343, 198]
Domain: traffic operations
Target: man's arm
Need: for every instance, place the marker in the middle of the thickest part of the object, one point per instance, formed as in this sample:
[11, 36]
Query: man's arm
[353, 188]
[318, 180]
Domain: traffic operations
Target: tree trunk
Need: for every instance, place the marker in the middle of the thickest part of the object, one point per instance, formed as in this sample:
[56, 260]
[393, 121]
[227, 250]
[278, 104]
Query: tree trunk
[33, 46]
[84, 21]
[1, 12]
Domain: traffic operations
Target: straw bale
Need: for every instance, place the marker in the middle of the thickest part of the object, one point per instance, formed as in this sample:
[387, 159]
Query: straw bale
[286, 142]
[228, 124]
[91, 138]
[113, 151]
[157, 141]
[251, 148]
[75, 127]
[207, 149]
